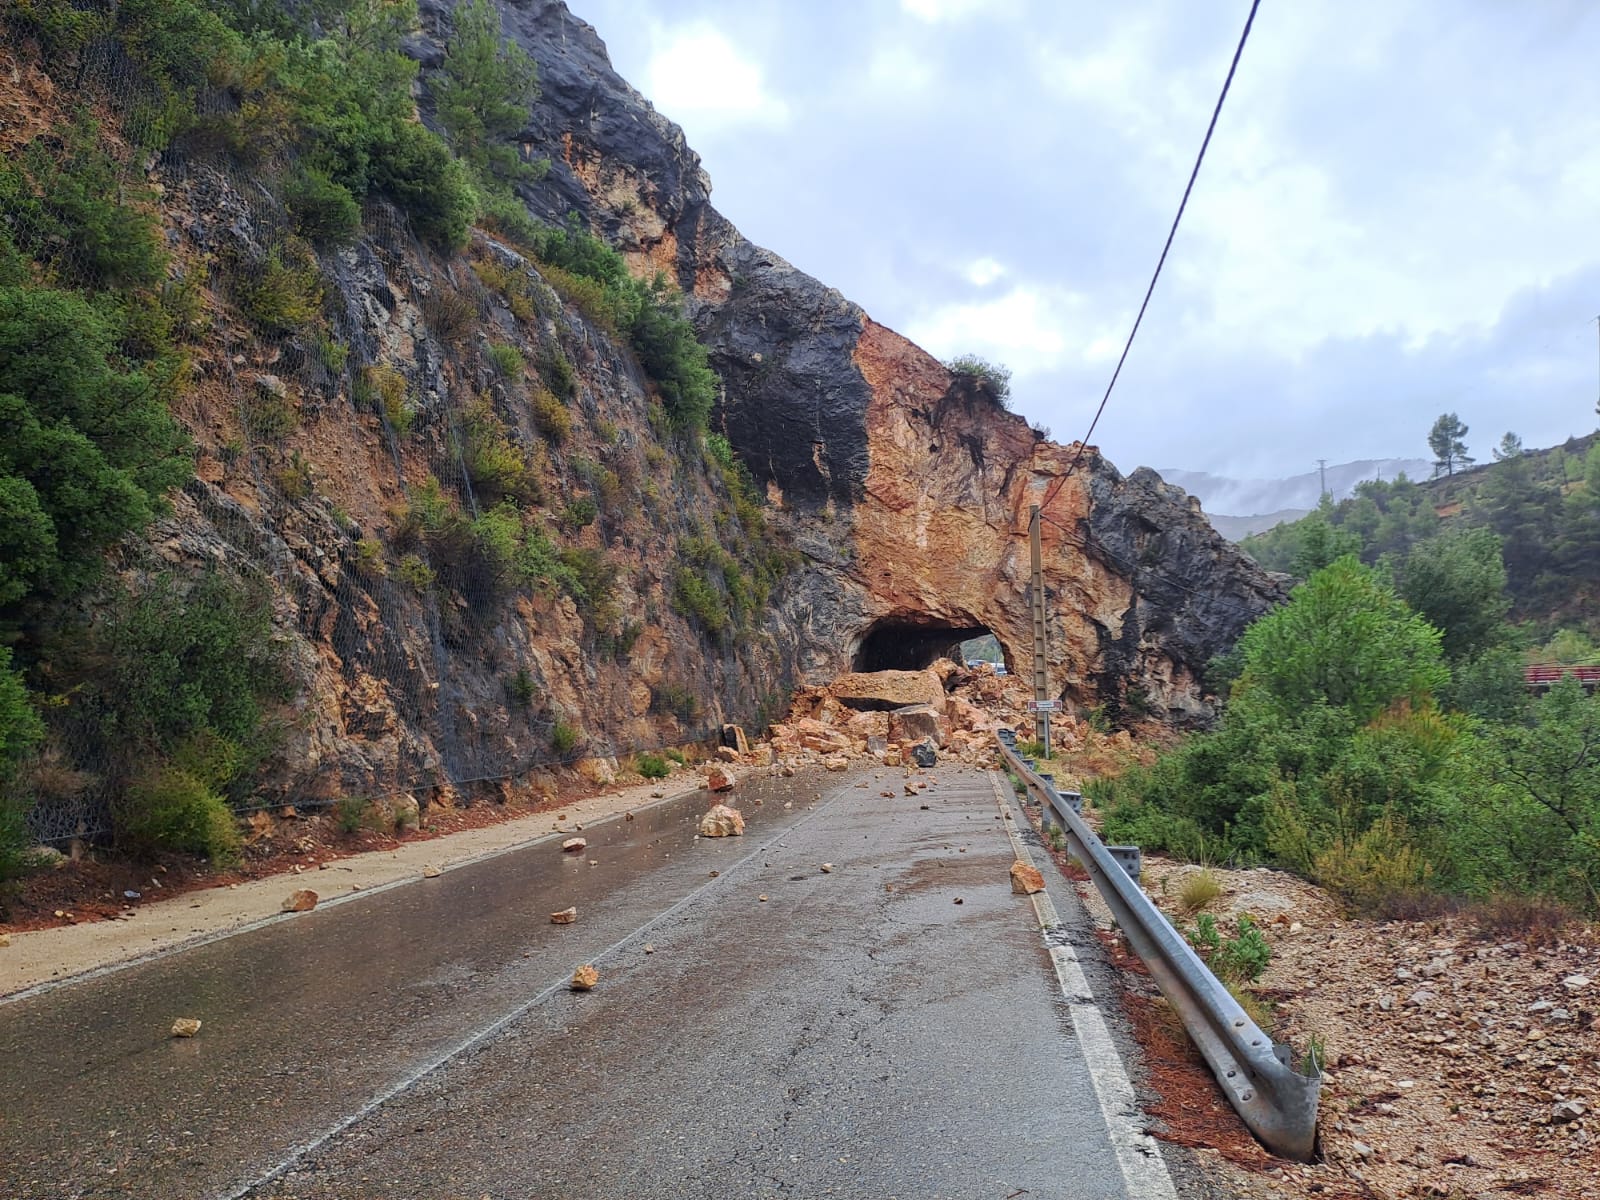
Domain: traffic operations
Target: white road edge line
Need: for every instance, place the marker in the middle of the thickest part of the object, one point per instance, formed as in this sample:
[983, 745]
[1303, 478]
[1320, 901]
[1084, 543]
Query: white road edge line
[1144, 1170]
[419, 1073]
[377, 889]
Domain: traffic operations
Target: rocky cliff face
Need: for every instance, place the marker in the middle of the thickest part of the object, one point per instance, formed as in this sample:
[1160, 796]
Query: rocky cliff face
[909, 491]
[343, 463]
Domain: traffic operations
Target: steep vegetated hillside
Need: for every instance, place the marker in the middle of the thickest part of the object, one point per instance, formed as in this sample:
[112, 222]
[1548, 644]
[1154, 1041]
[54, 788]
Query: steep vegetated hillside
[1543, 505]
[394, 414]
[1379, 736]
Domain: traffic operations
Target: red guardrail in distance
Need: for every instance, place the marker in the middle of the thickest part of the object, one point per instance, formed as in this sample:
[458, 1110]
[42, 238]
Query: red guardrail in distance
[1554, 673]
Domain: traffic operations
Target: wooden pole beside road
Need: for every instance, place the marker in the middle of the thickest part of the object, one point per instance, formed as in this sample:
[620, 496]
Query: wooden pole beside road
[1041, 684]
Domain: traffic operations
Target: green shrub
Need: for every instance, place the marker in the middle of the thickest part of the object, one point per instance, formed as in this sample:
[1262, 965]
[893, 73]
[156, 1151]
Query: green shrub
[270, 416]
[652, 766]
[551, 416]
[495, 464]
[89, 447]
[189, 659]
[592, 275]
[675, 698]
[1204, 937]
[413, 165]
[521, 691]
[294, 478]
[694, 597]
[283, 293]
[324, 211]
[370, 559]
[75, 211]
[556, 370]
[676, 756]
[418, 575]
[385, 389]
[983, 375]
[331, 353]
[483, 92]
[352, 814]
[563, 739]
[1243, 957]
[507, 360]
[579, 514]
[166, 809]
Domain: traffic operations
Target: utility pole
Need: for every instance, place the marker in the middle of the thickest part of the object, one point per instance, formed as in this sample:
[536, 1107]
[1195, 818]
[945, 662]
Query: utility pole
[1322, 476]
[1041, 685]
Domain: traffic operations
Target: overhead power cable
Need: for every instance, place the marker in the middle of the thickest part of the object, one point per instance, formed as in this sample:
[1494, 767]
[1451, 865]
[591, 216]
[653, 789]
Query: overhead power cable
[1171, 234]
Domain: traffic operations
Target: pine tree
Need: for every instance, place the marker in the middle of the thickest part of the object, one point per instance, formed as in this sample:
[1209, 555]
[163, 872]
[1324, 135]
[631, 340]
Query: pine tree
[1510, 447]
[1446, 439]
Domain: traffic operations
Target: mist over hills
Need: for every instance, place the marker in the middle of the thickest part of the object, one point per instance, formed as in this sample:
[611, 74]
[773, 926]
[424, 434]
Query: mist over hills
[1242, 506]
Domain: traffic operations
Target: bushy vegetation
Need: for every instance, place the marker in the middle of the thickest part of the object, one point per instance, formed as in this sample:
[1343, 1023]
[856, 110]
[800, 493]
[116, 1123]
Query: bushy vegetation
[983, 375]
[1367, 748]
[1544, 508]
[652, 766]
[649, 314]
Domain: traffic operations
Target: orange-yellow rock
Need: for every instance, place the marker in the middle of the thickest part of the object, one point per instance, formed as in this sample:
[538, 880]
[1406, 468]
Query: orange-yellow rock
[1025, 880]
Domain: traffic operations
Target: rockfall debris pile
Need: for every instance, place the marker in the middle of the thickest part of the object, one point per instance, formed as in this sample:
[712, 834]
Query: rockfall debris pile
[912, 718]
[888, 718]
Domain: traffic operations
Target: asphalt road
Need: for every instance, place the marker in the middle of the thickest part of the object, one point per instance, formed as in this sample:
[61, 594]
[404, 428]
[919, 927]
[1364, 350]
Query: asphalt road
[857, 1033]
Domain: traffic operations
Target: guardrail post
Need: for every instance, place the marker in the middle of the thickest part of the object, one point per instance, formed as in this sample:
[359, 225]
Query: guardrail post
[1129, 859]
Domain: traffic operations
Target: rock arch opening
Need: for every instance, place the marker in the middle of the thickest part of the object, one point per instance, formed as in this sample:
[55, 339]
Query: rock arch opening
[905, 644]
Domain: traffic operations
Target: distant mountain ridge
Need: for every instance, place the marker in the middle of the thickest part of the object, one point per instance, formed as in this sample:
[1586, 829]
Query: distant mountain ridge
[1241, 506]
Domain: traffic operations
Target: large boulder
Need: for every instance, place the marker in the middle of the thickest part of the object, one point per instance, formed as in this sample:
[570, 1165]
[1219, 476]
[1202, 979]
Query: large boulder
[889, 689]
[721, 821]
[916, 723]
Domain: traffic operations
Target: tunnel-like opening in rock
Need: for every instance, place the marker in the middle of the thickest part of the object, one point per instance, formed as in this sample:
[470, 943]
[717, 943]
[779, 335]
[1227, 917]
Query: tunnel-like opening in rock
[898, 644]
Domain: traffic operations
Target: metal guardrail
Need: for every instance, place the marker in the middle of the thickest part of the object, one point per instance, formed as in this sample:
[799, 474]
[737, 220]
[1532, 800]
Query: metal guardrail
[1277, 1103]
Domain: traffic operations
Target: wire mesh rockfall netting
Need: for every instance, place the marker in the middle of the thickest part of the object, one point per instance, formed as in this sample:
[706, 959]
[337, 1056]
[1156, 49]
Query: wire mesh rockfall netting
[332, 597]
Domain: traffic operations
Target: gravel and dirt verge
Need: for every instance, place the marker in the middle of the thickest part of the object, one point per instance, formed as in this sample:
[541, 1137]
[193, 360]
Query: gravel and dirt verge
[1462, 1061]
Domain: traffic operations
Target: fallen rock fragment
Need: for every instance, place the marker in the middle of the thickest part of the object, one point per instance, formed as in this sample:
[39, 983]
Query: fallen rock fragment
[1025, 880]
[584, 978]
[827, 868]
[5, 939]
[762, 898]
[301, 900]
[1567, 1110]
[429, 871]
[574, 845]
[721, 821]
[923, 754]
[836, 762]
[565, 917]
[719, 779]
[185, 1027]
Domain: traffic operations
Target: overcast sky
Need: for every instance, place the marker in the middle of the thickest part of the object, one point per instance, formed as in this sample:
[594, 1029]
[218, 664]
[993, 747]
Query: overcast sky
[1398, 215]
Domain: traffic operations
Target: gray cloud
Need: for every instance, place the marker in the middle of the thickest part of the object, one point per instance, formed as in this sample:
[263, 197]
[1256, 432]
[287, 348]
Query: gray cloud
[1394, 220]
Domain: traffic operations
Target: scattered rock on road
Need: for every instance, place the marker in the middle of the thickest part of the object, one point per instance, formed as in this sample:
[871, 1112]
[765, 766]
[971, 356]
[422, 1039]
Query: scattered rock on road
[429, 871]
[827, 868]
[721, 821]
[574, 845]
[185, 1027]
[301, 900]
[565, 917]
[719, 779]
[1025, 880]
[584, 978]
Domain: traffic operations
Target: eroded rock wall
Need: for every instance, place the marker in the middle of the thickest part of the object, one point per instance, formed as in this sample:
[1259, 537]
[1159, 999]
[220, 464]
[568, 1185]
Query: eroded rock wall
[909, 493]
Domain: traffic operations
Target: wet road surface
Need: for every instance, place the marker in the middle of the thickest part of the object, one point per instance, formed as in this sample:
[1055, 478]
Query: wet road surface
[856, 1034]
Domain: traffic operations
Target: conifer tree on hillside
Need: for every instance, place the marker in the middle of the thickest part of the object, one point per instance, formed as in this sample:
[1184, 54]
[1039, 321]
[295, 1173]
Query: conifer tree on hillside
[1447, 441]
